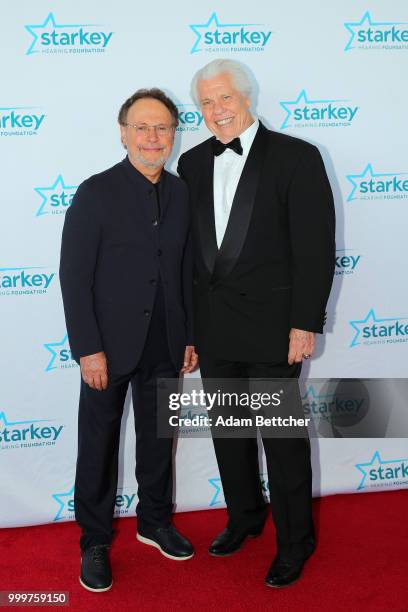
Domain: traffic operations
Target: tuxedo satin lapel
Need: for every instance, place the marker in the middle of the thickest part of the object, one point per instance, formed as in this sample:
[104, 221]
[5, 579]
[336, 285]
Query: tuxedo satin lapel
[205, 210]
[242, 207]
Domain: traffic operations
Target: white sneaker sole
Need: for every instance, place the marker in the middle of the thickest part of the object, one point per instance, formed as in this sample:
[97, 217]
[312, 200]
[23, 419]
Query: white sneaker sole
[88, 588]
[149, 542]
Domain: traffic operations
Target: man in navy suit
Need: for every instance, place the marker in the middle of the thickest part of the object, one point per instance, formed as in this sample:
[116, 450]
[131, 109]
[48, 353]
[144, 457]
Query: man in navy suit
[126, 275]
[264, 253]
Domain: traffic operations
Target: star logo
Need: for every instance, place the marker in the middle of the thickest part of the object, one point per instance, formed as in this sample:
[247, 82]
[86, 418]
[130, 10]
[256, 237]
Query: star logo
[367, 174]
[200, 28]
[216, 483]
[370, 318]
[365, 21]
[290, 105]
[63, 500]
[59, 190]
[49, 25]
[375, 462]
[51, 346]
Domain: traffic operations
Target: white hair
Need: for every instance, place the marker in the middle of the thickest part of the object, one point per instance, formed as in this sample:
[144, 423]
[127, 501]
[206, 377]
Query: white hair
[234, 69]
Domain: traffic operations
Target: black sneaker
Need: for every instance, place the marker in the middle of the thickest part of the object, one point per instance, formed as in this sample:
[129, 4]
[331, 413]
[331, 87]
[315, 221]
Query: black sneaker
[169, 541]
[96, 573]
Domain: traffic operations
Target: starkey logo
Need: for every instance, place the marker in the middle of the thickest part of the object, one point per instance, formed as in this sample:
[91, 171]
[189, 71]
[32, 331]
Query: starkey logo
[20, 121]
[216, 37]
[190, 118]
[319, 402]
[60, 356]
[52, 37]
[125, 502]
[370, 34]
[28, 433]
[347, 261]
[379, 330]
[23, 281]
[55, 198]
[371, 185]
[303, 112]
[379, 472]
[196, 415]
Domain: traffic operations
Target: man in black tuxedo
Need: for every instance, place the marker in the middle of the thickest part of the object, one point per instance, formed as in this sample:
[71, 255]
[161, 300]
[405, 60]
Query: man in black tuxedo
[126, 275]
[264, 252]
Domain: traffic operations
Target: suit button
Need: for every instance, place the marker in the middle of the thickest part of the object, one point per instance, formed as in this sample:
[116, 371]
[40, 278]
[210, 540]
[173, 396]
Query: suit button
[155, 222]
[146, 312]
[159, 252]
[152, 281]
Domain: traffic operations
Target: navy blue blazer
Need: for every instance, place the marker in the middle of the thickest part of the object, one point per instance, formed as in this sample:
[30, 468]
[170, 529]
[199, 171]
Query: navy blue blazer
[114, 249]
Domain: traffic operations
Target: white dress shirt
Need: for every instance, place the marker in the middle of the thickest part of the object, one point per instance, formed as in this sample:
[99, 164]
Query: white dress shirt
[227, 171]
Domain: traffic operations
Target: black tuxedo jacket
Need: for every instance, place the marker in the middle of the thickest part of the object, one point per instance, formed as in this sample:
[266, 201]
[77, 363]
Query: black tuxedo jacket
[275, 266]
[114, 250]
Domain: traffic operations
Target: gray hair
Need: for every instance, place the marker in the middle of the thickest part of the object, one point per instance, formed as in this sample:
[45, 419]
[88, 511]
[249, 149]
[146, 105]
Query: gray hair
[234, 69]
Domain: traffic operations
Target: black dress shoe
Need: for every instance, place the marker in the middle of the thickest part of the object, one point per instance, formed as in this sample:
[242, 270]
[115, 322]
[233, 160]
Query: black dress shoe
[168, 540]
[231, 540]
[96, 573]
[282, 573]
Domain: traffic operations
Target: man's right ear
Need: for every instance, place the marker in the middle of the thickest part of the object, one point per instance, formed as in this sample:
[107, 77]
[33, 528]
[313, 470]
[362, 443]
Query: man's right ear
[122, 136]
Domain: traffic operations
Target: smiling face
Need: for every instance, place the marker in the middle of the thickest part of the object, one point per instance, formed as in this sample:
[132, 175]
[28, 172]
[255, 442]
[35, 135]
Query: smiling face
[148, 150]
[225, 109]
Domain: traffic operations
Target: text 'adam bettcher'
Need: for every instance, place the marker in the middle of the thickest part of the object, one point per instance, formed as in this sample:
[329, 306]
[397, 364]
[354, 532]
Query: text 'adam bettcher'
[255, 401]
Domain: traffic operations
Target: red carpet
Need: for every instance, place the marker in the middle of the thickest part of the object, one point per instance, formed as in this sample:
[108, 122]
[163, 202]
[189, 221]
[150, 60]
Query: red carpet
[361, 564]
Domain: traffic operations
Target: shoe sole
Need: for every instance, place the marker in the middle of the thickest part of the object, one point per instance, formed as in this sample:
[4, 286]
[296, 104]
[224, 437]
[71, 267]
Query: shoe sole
[150, 542]
[281, 586]
[88, 588]
[250, 535]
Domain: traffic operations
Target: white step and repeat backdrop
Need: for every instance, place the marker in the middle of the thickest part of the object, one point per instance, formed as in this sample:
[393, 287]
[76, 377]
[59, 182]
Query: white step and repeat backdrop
[331, 73]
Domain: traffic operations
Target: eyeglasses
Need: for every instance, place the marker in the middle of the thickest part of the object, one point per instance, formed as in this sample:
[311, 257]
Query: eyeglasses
[143, 129]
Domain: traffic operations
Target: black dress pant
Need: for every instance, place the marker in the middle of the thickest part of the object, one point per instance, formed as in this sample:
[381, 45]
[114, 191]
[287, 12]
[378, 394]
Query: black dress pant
[99, 421]
[288, 464]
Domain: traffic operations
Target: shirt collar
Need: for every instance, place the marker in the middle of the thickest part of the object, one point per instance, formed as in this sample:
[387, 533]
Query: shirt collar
[247, 137]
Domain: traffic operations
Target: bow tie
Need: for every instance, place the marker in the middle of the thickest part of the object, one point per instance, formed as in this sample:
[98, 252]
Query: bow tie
[219, 147]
